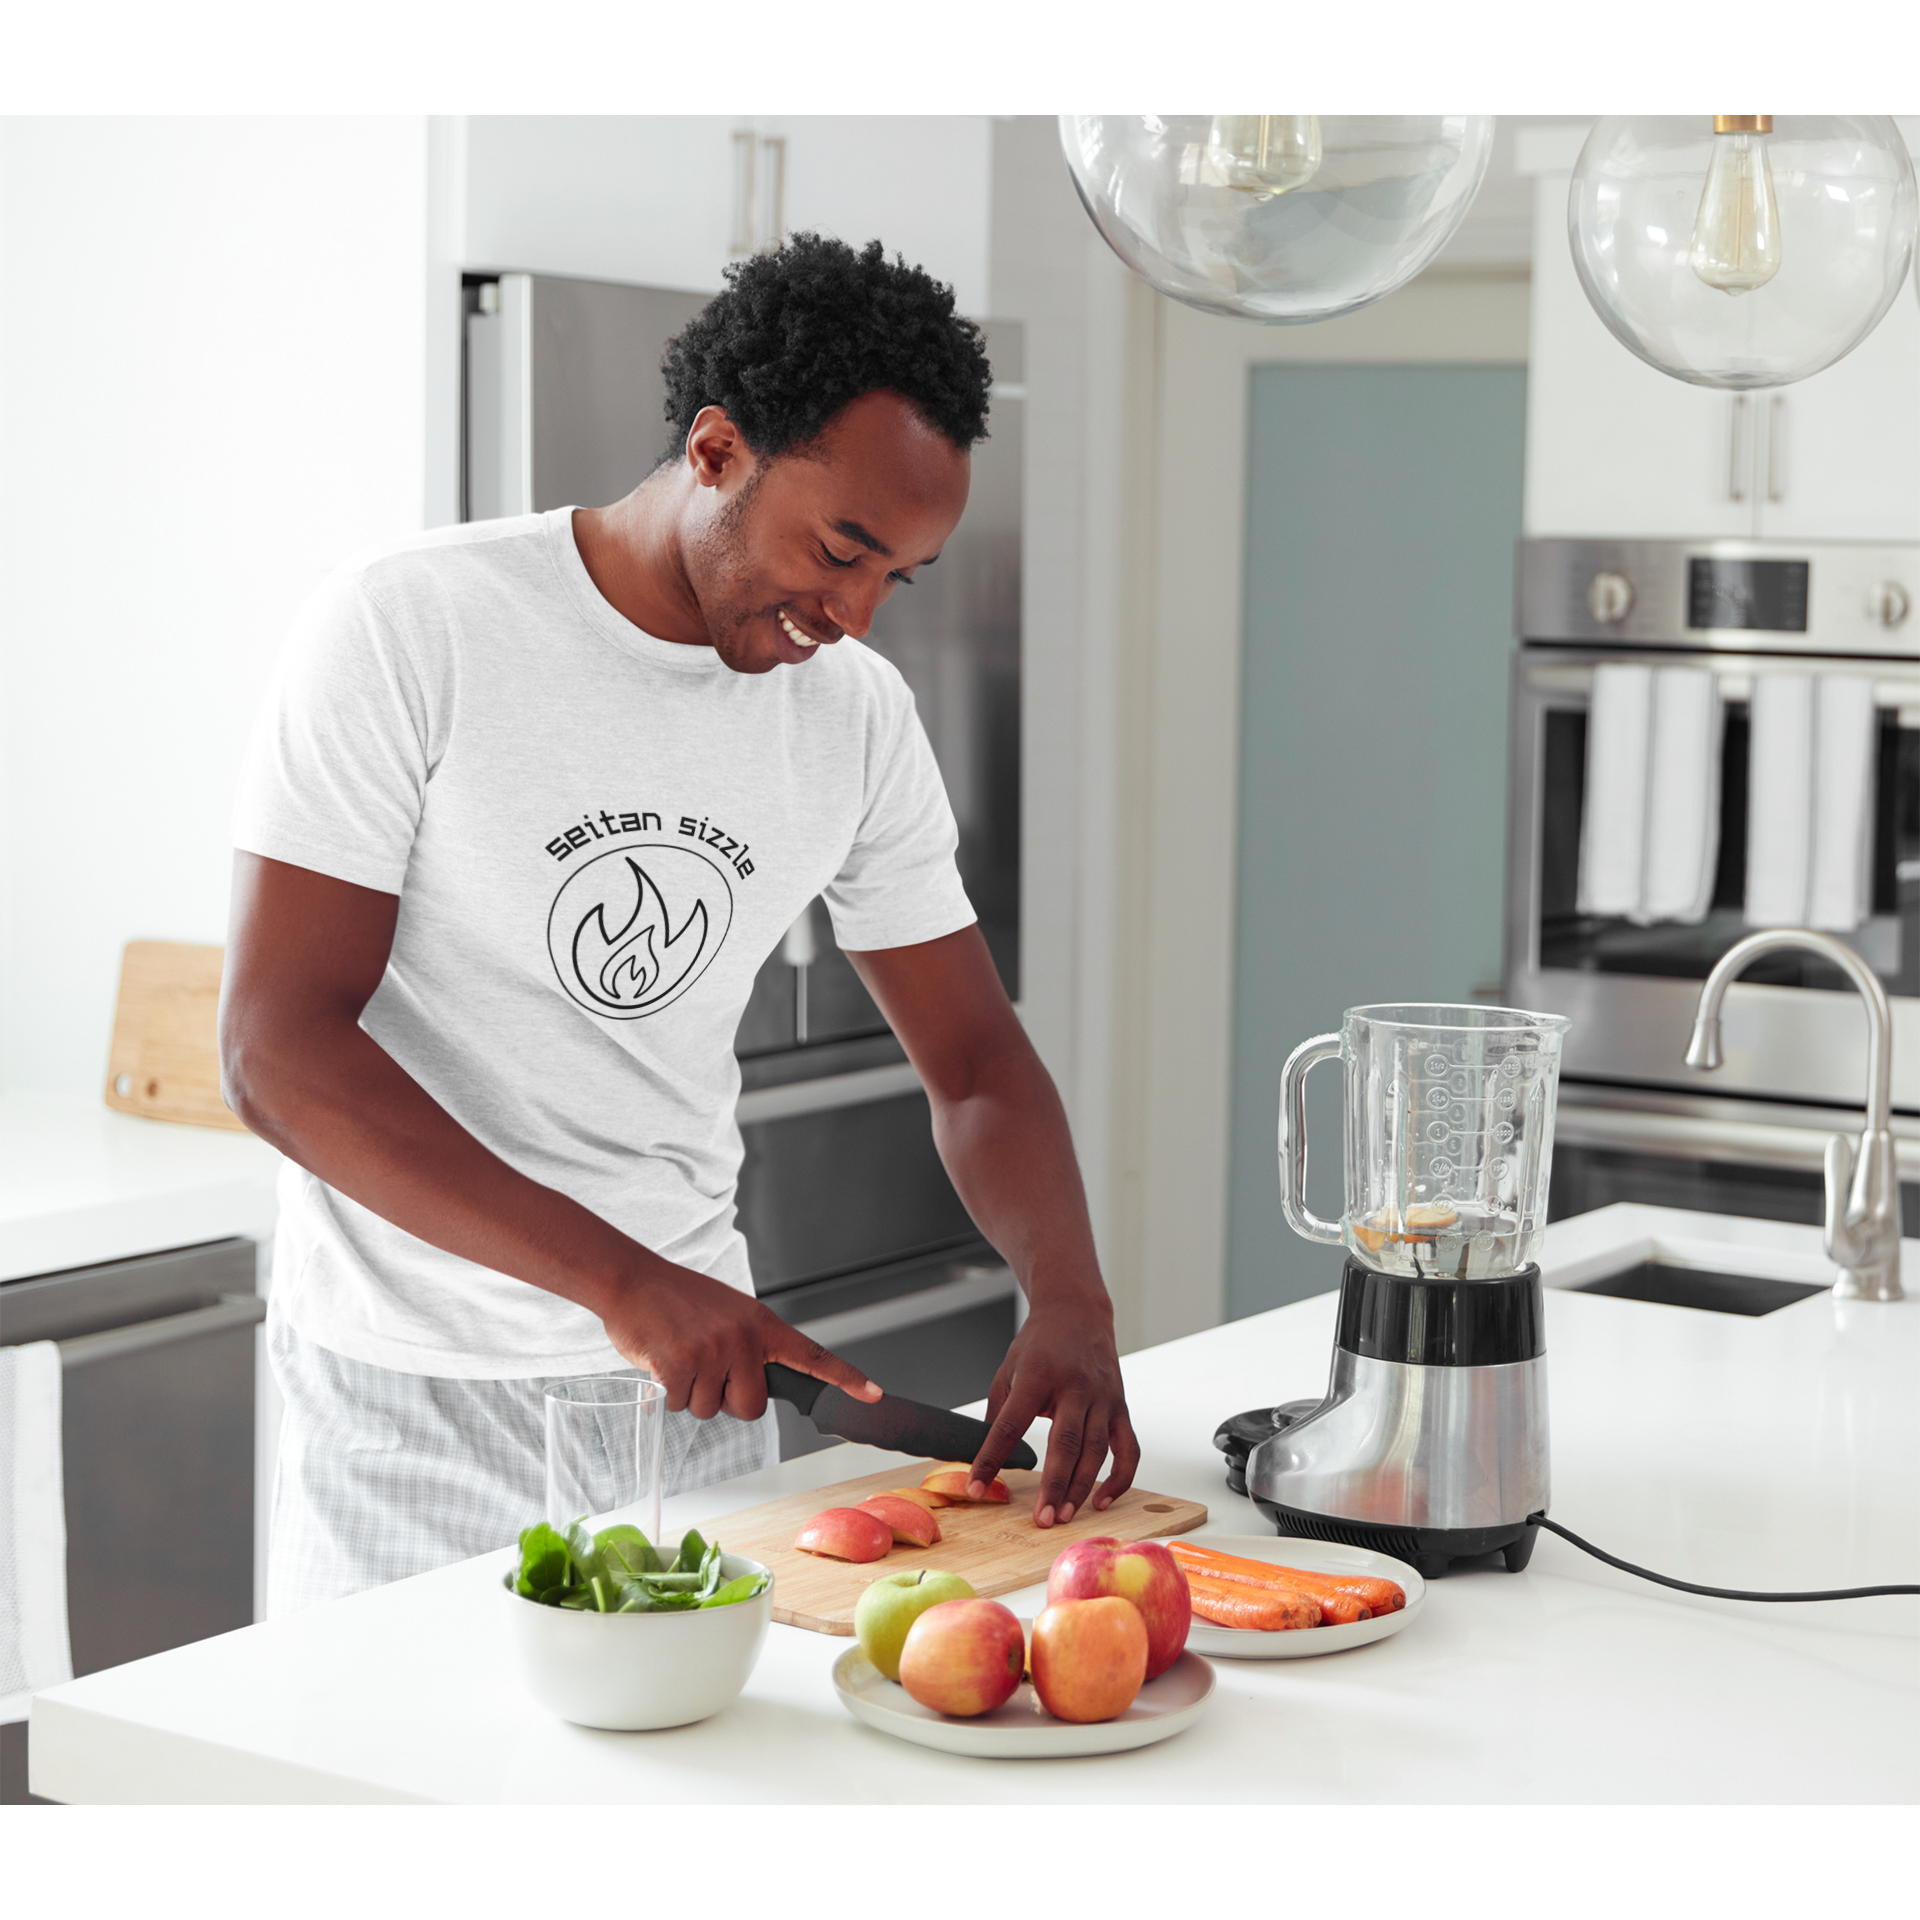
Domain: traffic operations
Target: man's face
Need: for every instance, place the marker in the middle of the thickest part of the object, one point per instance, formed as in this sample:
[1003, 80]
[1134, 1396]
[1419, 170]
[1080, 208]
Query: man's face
[797, 552]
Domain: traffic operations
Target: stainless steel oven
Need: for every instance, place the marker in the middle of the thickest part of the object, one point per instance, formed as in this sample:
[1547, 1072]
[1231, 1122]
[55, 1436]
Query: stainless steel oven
[1743, 613]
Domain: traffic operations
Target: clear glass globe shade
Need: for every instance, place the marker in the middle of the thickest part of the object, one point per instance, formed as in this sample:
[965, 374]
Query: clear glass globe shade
[1824, 224]
[1276, 217]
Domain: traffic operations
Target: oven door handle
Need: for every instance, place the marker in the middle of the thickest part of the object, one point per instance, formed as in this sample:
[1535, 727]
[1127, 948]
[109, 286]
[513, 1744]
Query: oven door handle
[234, 1310]
[1293, 1138]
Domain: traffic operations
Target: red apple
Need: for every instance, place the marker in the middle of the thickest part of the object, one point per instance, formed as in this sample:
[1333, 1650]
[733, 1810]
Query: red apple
[911, 1523]
[1089, 1657]
[845, 1533]
[1142, 1571]
[952, 1483]
[963, 1657]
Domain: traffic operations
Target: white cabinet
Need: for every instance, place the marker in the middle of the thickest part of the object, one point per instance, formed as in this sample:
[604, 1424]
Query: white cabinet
[1618, 449]
[652, 198]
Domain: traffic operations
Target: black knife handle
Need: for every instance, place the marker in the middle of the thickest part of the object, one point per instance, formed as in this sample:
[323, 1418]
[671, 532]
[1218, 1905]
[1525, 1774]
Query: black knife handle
[796, 1389]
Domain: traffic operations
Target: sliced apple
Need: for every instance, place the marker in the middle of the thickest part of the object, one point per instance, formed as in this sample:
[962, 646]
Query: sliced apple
[953, 1483]
[845, 1533]
[912, 1524]
[918, 1495]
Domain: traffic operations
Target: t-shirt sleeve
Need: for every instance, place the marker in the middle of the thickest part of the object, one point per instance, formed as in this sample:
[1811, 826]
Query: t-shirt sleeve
[336, 771]
[898, 884]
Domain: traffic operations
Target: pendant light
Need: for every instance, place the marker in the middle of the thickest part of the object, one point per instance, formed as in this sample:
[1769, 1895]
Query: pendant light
[1741, 250]
[1278, 217]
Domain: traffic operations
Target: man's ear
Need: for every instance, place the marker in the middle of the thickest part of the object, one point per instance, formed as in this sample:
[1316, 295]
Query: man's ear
[716, 448]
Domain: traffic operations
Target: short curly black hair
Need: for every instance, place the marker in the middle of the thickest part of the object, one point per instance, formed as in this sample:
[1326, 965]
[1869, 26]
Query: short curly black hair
[802, 331]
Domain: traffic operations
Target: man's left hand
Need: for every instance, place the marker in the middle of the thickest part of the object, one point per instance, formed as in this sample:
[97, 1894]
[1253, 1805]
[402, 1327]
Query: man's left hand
[1064, 1368]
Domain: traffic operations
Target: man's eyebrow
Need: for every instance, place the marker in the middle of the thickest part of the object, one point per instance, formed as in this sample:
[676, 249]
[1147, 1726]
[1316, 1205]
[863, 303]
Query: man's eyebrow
[855, 531]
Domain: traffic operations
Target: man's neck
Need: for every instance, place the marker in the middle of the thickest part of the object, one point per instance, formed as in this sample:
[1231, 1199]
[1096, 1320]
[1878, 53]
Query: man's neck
[633, 556]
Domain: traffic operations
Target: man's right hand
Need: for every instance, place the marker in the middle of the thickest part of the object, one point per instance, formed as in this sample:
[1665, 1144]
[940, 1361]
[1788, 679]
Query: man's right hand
[708, 1343]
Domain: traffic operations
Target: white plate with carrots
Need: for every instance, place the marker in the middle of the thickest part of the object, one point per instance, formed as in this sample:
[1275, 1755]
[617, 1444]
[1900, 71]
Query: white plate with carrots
[1231, 1590]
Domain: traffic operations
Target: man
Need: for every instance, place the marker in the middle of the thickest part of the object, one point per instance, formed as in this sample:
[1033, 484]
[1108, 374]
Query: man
[530, 804]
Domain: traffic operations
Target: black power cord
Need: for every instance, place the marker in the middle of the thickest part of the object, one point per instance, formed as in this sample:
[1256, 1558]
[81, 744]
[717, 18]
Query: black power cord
[1712, 1593]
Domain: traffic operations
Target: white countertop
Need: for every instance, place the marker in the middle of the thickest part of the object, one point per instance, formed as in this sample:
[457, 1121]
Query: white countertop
[1772, 1452]
[80, 1183]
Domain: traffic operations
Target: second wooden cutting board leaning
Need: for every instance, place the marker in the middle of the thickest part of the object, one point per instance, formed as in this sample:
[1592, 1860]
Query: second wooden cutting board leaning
[994, 1548]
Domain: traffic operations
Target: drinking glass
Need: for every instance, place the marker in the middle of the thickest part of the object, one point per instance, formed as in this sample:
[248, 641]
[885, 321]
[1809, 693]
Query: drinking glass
[606, 1439]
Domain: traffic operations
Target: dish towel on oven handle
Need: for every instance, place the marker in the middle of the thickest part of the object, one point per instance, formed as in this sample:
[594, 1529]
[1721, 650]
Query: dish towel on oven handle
[1650, 831]
[1810, 802]
[34, 1651]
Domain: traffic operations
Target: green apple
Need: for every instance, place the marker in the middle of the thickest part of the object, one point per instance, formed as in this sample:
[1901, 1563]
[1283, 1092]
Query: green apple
[893, 1603]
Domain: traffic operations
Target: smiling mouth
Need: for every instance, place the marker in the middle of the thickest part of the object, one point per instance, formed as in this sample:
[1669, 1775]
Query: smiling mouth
[797, 635]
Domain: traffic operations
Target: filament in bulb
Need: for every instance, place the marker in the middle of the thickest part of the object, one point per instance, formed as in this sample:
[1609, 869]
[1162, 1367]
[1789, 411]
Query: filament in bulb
[1263, 154]
[1736, 234]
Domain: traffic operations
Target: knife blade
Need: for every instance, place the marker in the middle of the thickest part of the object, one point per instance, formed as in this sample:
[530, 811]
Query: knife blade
[897, 1424]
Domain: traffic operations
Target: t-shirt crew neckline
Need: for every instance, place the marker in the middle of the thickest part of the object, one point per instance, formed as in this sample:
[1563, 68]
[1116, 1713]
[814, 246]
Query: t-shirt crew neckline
[607, 620]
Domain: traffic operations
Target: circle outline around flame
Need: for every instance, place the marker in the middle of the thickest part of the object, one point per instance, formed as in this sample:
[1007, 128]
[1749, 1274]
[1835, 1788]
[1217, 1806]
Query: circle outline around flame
[560, 944]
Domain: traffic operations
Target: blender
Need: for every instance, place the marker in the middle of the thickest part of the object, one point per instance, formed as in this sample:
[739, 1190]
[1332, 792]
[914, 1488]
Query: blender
[1430, 1443]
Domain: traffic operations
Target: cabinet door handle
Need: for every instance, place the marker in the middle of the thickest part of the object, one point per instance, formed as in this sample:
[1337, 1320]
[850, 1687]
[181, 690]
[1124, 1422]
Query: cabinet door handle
[1739, 458]
[234, 1310]
[1777, 447]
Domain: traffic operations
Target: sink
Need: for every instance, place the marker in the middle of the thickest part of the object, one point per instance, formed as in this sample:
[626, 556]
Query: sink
[1700, 1287]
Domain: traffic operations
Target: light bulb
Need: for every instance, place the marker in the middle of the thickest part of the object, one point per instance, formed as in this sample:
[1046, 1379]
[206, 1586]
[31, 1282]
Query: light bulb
[1736, 233]
[1657, 256]
[1262, 153]
[1275, 216]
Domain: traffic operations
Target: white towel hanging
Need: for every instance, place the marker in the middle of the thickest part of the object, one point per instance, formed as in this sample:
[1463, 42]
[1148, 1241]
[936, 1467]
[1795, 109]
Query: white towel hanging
[1810, 793]
[1779, 799]
[34, 1650]
[1683, 796]
[1613, 822]
[1840, 865]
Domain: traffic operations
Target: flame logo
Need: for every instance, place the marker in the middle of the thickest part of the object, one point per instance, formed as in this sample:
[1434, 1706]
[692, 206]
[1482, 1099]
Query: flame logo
[631, 930]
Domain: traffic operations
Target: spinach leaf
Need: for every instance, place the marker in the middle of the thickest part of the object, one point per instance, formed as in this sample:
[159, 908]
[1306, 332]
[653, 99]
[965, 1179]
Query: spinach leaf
[692, 1551]
[744, 1588]
[625, 1552]
[545, 1563]
[584, 1554]
[710, 1571]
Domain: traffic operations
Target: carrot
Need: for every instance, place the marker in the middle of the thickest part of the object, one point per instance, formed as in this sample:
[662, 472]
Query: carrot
[1255, 1610]
[1373, 1593]
[1336, 1609]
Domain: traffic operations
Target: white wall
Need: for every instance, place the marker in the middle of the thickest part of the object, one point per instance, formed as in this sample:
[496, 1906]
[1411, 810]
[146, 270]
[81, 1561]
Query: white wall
[211, 349]
[648, 198]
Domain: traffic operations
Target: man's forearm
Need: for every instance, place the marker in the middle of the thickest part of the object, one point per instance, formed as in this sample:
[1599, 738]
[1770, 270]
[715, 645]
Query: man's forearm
[334, 1100]
[1008, 1150]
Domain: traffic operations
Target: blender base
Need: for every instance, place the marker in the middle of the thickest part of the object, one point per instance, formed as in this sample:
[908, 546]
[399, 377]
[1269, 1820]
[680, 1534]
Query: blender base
[1430, 1551]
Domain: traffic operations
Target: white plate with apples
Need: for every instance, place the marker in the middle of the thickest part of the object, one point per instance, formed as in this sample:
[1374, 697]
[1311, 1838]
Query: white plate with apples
[1305, 1643]
[977, 1677]
[1022, 1729]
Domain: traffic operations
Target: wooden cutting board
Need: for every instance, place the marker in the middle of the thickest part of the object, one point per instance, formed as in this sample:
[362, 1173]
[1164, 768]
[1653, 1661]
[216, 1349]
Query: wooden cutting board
[165, 1059]
[995, 1549]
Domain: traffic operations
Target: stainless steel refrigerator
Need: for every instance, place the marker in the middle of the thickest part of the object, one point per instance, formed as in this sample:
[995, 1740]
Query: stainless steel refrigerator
[855, 1231]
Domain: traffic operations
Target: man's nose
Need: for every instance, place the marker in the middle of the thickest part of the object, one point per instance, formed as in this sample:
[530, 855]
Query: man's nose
[852, 611]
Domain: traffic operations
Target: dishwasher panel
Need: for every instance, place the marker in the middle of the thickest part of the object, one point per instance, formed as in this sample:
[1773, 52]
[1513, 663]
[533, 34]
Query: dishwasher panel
[157, 1430]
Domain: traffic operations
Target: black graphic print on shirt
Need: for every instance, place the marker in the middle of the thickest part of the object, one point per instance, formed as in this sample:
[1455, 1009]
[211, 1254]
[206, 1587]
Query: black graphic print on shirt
[631, 930]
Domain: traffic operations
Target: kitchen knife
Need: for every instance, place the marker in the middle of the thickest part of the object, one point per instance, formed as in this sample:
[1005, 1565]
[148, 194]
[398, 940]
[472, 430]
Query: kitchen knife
[901, 1426]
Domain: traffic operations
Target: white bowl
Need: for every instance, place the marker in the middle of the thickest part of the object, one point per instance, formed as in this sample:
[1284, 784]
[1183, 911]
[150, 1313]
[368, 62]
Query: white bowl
[631, 1671]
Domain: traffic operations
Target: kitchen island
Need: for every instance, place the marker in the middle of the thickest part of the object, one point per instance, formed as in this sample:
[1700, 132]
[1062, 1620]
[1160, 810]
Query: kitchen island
[1780, 1451]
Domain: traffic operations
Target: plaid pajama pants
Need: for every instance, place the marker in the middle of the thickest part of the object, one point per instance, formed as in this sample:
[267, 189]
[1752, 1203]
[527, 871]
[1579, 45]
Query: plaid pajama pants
[381, 1474]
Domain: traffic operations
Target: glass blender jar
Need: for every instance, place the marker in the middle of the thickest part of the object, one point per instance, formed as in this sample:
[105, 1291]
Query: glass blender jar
[1449, 1137]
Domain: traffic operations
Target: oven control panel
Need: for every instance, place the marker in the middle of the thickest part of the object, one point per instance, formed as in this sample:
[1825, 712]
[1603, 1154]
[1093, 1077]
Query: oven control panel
[1742, 595]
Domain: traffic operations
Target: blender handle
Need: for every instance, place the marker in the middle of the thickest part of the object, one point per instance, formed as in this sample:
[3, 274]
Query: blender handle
[1293, 1138]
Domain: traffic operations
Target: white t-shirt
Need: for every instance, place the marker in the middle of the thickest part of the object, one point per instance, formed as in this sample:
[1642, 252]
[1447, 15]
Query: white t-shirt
[597, 837]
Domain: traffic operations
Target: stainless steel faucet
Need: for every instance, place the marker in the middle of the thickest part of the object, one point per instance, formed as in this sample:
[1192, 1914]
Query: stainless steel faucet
[1863, 1190]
